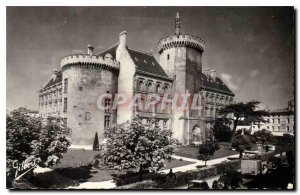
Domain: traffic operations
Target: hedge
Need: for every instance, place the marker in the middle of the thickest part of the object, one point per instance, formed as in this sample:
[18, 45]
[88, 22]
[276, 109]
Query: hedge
[182, 178]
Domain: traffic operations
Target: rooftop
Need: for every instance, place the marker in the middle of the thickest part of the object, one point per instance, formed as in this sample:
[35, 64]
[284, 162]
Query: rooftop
[209, 83]
[54, 79]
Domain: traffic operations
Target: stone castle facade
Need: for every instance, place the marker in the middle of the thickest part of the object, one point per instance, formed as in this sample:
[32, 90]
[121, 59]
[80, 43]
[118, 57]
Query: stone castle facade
[72, 93]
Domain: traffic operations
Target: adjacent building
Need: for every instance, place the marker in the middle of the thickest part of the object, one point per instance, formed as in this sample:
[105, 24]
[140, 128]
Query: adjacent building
[280, 121]
[73, 92]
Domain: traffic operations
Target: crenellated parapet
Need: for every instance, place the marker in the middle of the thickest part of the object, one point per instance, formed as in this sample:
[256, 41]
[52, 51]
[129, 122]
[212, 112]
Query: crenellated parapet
[89, 61]
[181, 41]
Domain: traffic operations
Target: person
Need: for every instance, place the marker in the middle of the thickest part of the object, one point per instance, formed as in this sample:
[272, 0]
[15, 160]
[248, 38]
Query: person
[171, 174]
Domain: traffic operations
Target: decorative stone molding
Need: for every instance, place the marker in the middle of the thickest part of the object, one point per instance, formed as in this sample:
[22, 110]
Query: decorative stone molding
[181, 41]
[88, 61]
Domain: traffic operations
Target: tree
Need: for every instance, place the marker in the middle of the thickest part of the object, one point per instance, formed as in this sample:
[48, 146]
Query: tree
[263, 137]
[221, 130]
[34, 140]
[206, 150]
[96, 143]
[241, 143]
[246, 112]
[137, 147]
[285, 143]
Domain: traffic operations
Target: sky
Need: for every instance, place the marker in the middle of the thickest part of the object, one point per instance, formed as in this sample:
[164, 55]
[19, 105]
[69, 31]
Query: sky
[251, 48]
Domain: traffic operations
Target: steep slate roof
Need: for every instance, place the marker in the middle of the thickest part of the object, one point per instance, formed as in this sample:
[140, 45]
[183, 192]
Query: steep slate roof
[217, 85]
[111, 50]
[145, 63]
[53, 80]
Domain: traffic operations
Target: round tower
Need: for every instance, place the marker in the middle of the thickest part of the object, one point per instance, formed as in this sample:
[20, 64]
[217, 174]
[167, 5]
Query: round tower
[85, 77]
[181, 58]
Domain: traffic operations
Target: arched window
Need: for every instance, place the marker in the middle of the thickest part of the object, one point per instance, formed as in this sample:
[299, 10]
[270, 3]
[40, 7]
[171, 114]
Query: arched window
[140, 85]
[150, 87]
[166, 89]
[157, 89]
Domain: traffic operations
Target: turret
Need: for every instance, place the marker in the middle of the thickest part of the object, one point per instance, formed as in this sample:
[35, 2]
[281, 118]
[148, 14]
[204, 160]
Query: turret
[181, 58]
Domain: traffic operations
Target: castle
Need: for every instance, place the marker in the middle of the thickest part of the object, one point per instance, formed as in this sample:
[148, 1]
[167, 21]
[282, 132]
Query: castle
[73, 92]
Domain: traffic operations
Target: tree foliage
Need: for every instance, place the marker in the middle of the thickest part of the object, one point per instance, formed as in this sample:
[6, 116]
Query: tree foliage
[137, 147]
[246, 112]
[263, 137]
[242, 142]
[222, 131]
[207, 149]
[34, 140]
[285, 143]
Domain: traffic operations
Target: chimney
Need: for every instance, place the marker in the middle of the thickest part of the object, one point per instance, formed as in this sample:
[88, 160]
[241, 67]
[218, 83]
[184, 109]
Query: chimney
[213, 74]
[90, 50]
[122, 38]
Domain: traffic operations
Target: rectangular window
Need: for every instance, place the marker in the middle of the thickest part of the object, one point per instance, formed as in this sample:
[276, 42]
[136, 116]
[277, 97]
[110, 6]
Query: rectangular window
[65, 104]
[106, 121]
[66, 86]
[273, 128]
[87, 116]
[288, 128]
[65, 122]
[164, 123]
[168, 56]
[279, 121]
[107, 105]
[288, 120]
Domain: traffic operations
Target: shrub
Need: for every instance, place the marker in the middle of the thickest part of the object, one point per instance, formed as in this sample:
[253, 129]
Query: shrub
[207, 149]
[242, 143]
[132, 177]
[134, 146]
[229, 166]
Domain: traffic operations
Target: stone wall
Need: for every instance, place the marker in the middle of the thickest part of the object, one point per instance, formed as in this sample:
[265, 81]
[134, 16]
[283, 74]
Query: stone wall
[85, 85]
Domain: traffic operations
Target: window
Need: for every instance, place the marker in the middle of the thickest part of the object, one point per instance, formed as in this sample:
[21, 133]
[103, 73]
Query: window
[106, 121]
[268, 127]
[80, 88]
[164, 123]
[66, 86]
[288, 128]
[87, 116]
[279, 121]
[65, 122]
[150, 87]
[168, 56]
[273, 128]
[107, 105]
[141, 86]
[65, 104]
[288, 120]
[157, 88]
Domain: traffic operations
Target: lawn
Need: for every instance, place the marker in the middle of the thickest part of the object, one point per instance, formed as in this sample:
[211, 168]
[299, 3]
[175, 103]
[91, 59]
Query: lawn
[73, 158]
[192, 152]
